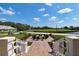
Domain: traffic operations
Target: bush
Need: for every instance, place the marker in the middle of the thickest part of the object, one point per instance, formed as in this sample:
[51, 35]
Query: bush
[33, 37]
[29, 43]
[57, 37]
[50, 44]
[46, 36]
[22, 36]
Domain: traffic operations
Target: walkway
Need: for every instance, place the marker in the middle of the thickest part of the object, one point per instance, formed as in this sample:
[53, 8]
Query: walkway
[39, 48]
[49, 39]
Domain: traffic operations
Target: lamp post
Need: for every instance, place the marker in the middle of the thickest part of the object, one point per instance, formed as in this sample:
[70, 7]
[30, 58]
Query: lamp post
[56, 26]
[29, 28]
[9, 33]
[55, 22]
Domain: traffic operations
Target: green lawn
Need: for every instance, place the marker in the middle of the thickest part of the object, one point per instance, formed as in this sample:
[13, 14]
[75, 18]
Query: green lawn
[23, 34]
[20, 35]
[3, 34]
[52, 30]
[58, 37]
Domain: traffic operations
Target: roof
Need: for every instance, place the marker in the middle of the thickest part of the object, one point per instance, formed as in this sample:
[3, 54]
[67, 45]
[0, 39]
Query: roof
[6, 27]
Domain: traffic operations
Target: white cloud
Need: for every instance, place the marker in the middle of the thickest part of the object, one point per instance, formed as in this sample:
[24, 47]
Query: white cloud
[37, 19]
[65, 10]
[75, 18]
[61, 21]
[8, 11]
[1, 9]
[46, 15]
[3, 19]
[41, 9]
[53, 18]
[48, 4]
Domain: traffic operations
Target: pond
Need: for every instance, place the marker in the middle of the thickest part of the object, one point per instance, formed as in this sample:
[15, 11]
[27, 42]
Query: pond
[73, 33]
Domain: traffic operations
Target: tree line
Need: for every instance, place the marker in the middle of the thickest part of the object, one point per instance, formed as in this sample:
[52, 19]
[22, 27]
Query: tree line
[71, 27]
[21, 27]
[65, 27]
[18, 26]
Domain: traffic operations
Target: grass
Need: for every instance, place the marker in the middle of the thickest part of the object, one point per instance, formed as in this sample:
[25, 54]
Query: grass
[21, 35]
[58, 37]
[52, 30]
[3, 34]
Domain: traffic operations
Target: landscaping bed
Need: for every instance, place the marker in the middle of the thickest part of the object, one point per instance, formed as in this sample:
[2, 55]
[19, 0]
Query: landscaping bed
[22, 36]
[50, 44]
[57, 37]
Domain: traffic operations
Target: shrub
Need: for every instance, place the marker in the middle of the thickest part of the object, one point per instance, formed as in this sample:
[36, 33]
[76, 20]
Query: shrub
[46, 36]
[29, 43]
[50, 44]
[22, 36]
[57, 37]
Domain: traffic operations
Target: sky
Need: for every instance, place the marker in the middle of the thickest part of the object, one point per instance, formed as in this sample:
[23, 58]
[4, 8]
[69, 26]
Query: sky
[41, 14]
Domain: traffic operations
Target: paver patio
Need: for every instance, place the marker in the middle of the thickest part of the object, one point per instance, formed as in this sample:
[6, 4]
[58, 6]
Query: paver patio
[39, 48]
[49, 39]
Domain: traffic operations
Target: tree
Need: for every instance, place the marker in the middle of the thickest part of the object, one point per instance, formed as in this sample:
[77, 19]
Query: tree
[19, 26]
[66, 27]
[45, 27]
[76, 28]
[71, 27]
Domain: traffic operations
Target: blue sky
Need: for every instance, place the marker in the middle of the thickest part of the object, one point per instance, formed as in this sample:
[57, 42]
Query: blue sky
[41, 14]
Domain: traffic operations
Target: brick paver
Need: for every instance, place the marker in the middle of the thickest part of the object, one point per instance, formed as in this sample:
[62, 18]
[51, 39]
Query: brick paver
[39, 48]
[49, 39]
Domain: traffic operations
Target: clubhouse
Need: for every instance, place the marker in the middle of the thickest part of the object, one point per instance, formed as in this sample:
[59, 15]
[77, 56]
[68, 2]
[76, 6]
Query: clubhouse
[4, 28]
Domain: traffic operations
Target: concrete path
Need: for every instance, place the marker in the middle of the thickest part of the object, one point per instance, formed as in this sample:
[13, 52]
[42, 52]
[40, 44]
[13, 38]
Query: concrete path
[29, 39]
[39, 48]
[49, 39]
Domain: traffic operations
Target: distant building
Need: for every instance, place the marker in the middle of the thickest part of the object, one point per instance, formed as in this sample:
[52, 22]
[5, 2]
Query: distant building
[4, 28]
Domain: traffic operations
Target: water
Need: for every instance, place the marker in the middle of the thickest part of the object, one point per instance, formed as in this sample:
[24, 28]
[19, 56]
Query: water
[73, 33]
